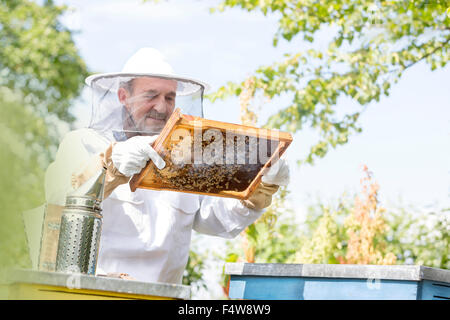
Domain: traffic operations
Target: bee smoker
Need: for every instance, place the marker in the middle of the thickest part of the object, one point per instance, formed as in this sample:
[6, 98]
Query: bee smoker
[81, 224]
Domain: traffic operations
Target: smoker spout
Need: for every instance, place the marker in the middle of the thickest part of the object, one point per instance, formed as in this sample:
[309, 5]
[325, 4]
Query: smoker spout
[93, 188]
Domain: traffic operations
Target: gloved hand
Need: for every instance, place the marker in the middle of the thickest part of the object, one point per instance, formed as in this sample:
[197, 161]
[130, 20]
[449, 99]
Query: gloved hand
[276, 176]
[278, 173]
[131, 156]
[261, 197]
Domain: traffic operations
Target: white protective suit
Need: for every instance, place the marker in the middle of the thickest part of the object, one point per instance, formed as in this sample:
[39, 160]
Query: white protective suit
[146, 233]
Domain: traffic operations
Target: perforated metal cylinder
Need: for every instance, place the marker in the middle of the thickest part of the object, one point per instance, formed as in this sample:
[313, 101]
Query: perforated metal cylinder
[79, 240]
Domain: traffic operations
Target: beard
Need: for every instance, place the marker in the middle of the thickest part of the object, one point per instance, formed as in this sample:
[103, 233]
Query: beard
[150, 123]
[153, 114]
[153, 121]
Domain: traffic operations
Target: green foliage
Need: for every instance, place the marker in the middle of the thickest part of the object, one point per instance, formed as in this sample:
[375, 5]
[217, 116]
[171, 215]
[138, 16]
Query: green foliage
[420, 237]
[325, 245]
[193, 274]
[41, 67]
[38, 57]
[273, 238]
[22, 170]
[360, 230]
[41, 74]
[413, 235]
[370, 45]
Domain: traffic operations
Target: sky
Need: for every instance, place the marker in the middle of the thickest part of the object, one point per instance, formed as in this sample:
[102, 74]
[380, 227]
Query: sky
[405, 140]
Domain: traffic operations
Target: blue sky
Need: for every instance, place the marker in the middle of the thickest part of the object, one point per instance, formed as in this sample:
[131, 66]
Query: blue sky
[405, 139]
[406, 136]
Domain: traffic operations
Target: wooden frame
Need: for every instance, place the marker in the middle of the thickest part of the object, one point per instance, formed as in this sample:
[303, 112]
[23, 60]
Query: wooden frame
[146, 180]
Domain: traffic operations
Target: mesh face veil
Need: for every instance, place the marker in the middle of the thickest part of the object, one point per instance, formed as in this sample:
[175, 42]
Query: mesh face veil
[126, 105]
[139, 99]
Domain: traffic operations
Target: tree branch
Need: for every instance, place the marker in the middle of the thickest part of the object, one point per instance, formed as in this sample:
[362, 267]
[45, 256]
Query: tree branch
[428, 54]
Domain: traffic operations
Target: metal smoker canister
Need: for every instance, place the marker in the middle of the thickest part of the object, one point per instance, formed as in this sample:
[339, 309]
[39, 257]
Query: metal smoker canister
[81, 224]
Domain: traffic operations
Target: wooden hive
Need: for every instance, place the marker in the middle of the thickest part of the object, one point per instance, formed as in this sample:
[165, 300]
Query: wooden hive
[217, 158]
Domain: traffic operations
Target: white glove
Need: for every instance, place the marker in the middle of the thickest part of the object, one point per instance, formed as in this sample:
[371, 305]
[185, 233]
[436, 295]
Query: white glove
[277, 174]
[131, 156]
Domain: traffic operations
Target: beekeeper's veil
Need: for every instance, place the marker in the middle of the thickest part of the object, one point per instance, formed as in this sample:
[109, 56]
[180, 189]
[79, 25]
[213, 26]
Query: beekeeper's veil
[151, 87]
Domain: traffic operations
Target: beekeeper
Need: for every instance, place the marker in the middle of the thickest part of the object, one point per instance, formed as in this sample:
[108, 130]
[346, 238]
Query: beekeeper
[146, 233]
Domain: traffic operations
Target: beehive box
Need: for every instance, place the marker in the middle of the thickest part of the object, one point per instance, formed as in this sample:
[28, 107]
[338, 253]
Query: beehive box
[291, 281]
[25, 284]
[211, 157]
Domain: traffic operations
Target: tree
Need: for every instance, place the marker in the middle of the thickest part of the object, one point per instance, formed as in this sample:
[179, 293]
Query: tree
[41, 74]
[39, 61]
[370, 45]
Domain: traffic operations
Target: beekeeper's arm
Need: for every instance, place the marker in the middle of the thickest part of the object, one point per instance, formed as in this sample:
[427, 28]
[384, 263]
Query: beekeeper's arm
[74, 164]
[72, 156]
[222, 217]
[225, 217]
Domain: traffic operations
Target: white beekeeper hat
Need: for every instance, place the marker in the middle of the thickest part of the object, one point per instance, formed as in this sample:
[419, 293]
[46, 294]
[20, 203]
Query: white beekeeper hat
[146, 62]
[109, 114]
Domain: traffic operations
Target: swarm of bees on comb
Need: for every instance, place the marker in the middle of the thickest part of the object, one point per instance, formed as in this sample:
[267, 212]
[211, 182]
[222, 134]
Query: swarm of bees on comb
[230, 169]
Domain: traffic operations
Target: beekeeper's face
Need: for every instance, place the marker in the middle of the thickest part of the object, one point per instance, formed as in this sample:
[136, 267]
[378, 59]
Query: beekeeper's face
[149, 101]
